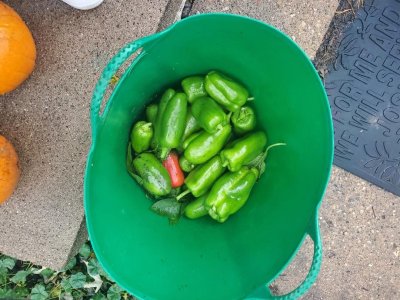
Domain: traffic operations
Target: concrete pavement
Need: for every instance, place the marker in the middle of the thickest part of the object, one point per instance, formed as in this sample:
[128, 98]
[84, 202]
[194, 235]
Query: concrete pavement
[47, 120]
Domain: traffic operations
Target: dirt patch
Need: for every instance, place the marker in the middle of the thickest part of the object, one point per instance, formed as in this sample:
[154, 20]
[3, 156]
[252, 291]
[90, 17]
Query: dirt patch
[327, 52]
[187, 8]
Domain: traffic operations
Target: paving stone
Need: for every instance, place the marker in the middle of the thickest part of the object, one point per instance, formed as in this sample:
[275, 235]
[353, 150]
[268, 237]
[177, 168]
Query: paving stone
[47, 119]
[304, 21]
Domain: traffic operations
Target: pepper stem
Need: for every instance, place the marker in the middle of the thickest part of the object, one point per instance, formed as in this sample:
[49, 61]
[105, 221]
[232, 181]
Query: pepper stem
[164, 153]
[183, 194]
[250, 99]
[259, 161]
[272, 146]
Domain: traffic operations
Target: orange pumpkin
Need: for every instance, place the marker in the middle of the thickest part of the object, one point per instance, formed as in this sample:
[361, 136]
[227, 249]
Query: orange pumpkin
[17, 50]
[9, 169]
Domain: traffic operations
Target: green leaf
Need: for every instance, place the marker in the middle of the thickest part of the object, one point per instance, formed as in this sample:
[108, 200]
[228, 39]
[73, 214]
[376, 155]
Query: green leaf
[21, 292]
[103, 273]
[46, 273]
[39, 293]
[66, 285]
[77, 295]
[93, 267]
[70, 265]
[98, 296]
[138, 179]
[96, 284]
[85, 251]
[7, 294]
[175, 192]
[129, 156]
[3, 278]
[20, 276]
[3, 292]
[77, 280]
[258, 161]
[8, 263]
[113, 292]
[168, 207]
[262, 169]
[129, 159]
[3, 272]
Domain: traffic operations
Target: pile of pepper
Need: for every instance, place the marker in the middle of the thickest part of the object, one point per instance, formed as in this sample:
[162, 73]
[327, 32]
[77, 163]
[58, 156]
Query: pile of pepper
[197, 152]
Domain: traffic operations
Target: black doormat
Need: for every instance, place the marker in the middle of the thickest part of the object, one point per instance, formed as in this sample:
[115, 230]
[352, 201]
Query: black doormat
[363, 85]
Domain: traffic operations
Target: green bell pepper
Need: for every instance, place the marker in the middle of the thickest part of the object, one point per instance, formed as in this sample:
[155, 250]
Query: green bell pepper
[141, 136]
[165, 98]
[243, 150]
[172, 124]
[230, 192]
[227, 92]
[210, 116]
[185, 165]
[186, 142]
[191, 125]
[169, 208]
[200, 180]
[151, 113]
[243, 120]
[196, 209]
[206, 145]
[151, 174]
[193, 87]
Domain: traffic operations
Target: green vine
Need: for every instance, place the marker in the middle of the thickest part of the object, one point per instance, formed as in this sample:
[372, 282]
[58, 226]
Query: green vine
[81, 279]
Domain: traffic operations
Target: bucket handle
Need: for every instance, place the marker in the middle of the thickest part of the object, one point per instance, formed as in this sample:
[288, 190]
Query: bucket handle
[265, 293]
[112, 67]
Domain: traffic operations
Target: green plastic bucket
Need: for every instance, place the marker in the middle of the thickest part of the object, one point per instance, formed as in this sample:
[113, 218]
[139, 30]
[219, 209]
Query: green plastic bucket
[203, 259]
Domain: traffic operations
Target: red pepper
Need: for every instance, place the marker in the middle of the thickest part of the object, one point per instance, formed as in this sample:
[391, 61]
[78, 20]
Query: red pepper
[171, 163]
